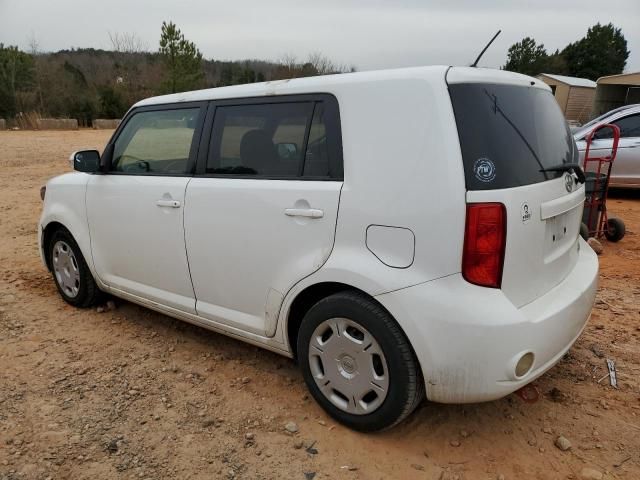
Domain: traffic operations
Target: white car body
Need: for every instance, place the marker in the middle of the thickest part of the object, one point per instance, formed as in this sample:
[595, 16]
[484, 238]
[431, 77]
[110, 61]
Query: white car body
[230, 259]
[625, 171]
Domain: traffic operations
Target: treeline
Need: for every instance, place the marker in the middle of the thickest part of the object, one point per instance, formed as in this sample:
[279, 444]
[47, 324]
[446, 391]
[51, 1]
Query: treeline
[89, 83]
[602, 51]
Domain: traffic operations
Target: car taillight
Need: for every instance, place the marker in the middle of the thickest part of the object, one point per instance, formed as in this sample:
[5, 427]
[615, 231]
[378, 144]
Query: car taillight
[484, 242]
[43, 192]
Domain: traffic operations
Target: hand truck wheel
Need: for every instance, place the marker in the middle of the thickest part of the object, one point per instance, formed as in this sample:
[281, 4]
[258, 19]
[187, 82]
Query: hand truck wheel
[615, 229]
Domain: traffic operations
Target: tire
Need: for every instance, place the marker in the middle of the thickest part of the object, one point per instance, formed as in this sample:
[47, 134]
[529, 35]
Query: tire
[384, 358]
[584, 231]
[615, 229]
[71, 275]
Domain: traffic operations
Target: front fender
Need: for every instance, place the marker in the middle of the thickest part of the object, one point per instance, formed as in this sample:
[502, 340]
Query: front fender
[65, 204]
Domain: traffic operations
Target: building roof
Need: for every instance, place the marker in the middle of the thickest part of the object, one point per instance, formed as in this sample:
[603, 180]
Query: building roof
[571, 81]
[632, 78]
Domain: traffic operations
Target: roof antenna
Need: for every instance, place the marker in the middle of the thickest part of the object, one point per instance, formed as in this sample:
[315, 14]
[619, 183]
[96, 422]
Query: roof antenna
[475, 64]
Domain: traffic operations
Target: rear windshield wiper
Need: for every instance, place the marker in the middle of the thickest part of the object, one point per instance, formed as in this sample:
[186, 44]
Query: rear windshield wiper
[567, 167]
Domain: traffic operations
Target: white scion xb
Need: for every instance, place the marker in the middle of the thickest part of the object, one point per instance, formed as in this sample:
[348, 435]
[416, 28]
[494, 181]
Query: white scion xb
[400, 233]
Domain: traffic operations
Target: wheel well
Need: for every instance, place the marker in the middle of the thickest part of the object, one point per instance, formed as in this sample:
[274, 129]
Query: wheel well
[49, 230]
[304, 301]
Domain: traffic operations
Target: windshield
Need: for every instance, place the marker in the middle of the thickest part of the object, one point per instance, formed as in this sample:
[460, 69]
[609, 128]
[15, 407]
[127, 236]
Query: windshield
[510, 134]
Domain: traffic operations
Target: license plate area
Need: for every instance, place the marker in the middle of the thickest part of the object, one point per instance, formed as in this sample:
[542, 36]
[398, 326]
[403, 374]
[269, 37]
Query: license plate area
[557, 228]
[560, 234]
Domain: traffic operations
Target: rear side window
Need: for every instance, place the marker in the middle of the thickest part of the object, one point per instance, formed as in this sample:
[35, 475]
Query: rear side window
[156, 142]
[509, 135]
[274, 140]
[629, 127]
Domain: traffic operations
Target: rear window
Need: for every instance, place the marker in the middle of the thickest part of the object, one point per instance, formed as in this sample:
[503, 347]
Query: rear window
[509, 134]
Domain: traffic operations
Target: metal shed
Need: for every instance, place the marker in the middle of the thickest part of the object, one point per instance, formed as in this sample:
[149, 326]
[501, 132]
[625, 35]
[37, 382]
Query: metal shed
[574, 95]
[615, 91]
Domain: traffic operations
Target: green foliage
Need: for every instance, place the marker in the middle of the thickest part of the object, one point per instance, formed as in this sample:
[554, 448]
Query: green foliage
[234, 74]
[76, 74]
[112, 104]
[556, 64]
[526, 57]
[88, 83]
[16, 75]
[182, 58]
[603, 51]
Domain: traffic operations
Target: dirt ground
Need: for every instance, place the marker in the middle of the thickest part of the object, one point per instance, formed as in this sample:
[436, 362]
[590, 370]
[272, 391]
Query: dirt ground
[131, 393]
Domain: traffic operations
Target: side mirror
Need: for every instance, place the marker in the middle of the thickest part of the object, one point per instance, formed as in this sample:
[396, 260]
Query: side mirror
[87, 161]
[287, 151]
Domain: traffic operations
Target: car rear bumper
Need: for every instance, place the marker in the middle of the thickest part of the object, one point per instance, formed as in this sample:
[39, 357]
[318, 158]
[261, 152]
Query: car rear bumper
[469, 339]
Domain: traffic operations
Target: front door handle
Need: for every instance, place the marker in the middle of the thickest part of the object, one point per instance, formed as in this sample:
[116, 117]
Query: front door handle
[168, 203]
[304, 212]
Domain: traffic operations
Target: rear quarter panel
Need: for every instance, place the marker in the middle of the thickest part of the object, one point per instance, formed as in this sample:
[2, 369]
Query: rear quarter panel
[402, 168]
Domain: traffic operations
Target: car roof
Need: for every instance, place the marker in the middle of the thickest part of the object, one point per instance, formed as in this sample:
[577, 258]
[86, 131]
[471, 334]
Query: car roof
[333, 83]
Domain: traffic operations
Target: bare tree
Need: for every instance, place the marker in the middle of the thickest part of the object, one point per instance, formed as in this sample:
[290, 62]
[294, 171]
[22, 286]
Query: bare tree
[288, 66]
[127, 42]
[322, 64]
[34, 50]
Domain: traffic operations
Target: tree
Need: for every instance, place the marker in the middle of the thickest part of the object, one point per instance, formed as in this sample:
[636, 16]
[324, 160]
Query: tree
[111, 103]
[603, 51]
[556, 63]
[526, 57]
[182, 58]
[126, 42]
[16, 74]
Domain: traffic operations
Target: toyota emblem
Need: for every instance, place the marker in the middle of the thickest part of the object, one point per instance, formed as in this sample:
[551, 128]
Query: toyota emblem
[568, 182]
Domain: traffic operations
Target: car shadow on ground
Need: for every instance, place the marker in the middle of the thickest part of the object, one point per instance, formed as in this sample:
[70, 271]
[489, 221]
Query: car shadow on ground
[625, 193]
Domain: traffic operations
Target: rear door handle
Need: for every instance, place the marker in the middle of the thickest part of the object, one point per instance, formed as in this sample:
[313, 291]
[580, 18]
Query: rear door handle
[304, 212]
[168, 203]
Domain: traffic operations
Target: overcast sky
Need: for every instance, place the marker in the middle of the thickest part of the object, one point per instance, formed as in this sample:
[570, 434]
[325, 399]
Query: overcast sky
[369, 34]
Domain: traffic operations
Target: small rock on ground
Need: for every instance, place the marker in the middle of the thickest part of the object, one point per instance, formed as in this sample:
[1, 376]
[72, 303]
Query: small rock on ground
[291, 427]
[590, 474]
[563, 443]
[595, 245]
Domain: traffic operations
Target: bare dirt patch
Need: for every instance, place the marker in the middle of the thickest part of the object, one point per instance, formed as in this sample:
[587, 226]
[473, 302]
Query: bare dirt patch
[130, 393]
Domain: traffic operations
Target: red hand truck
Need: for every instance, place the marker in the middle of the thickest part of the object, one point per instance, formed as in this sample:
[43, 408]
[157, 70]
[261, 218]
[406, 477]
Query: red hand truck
[596, 222]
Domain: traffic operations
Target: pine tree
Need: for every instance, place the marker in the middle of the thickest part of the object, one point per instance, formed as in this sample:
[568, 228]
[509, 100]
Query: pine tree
[182, 58]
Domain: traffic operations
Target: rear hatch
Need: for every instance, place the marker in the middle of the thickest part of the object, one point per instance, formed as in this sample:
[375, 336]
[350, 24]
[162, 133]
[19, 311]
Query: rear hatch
[511, 132]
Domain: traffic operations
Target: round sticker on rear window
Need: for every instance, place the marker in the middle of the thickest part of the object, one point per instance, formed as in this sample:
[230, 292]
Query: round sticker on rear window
[484, 169]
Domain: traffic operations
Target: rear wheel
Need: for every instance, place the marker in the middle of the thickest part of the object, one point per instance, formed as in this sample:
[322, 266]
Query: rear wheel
[357, 363]
[70, 271]
[615, 229]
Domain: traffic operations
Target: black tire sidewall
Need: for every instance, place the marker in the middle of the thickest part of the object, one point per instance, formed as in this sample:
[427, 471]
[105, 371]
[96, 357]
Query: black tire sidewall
[615, 229]
[584, 231]
[341, 306]
[84, 291]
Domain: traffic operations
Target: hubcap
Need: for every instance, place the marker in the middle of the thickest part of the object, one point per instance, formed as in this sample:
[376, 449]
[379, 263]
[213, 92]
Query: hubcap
[348, 366]
[65, 269]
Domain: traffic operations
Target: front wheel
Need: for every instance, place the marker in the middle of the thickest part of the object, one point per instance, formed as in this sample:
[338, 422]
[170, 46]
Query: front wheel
[70, 271]
[357, 362]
